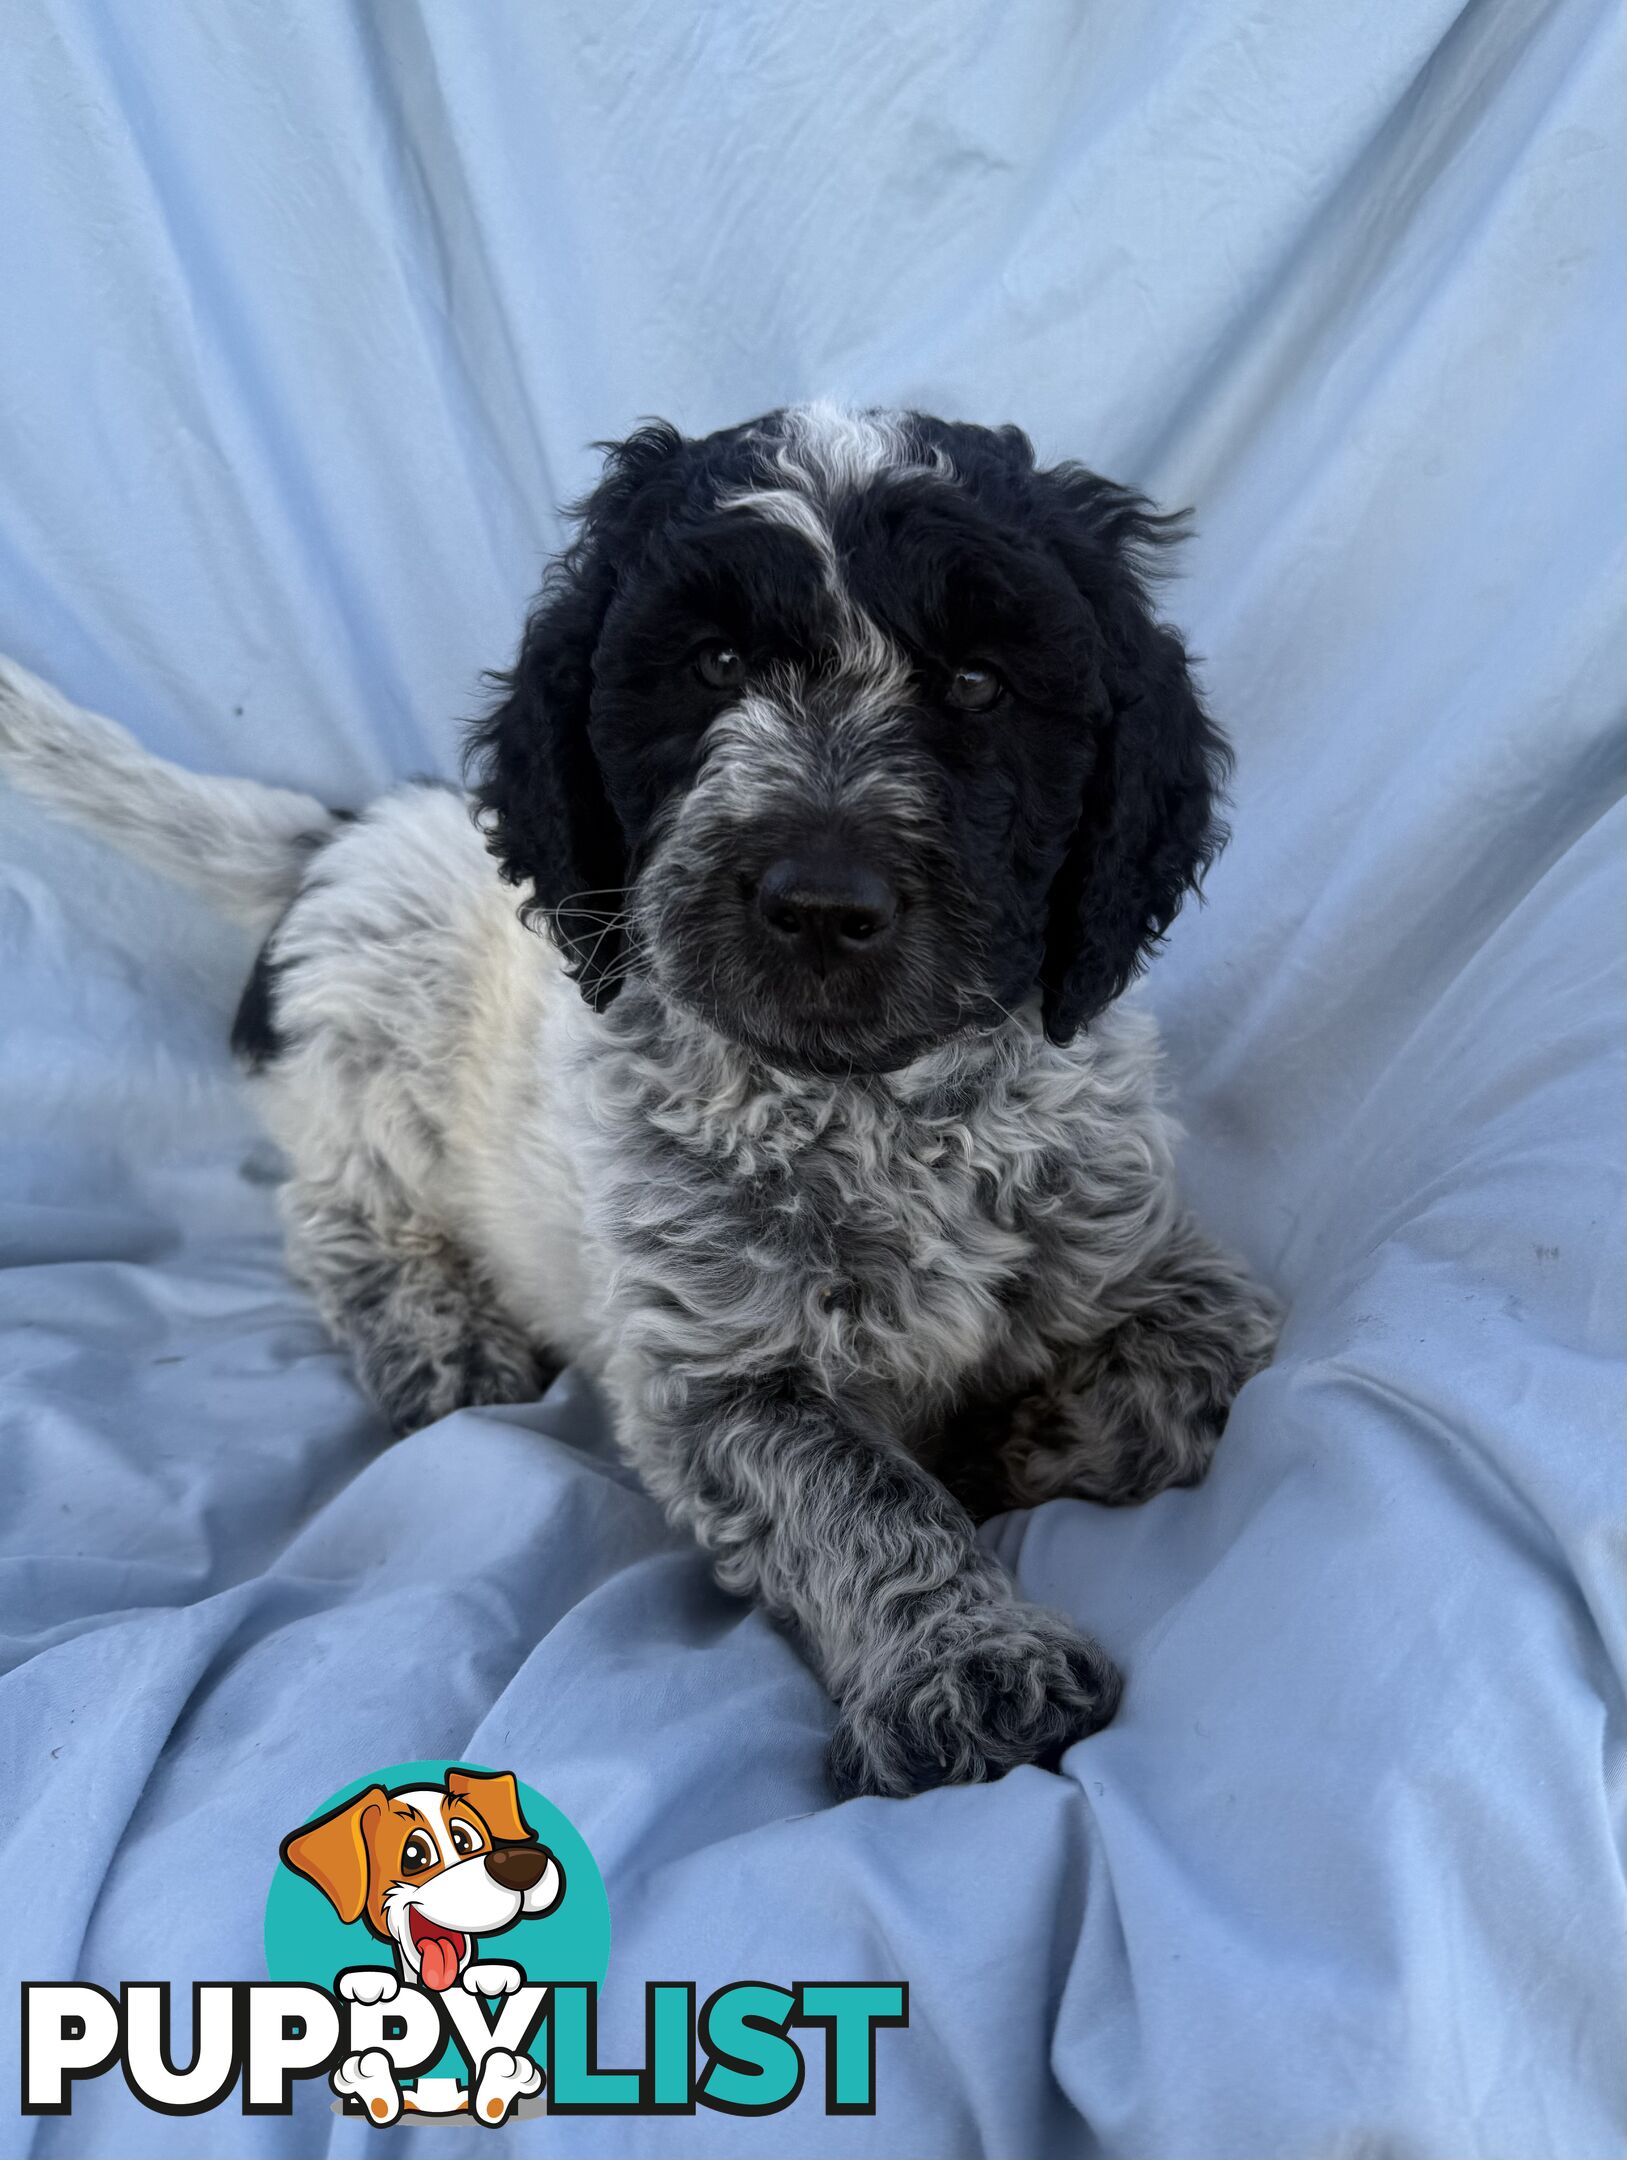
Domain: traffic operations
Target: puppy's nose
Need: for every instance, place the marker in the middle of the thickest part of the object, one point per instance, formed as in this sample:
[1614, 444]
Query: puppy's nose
[517, 1867]
[828, 909]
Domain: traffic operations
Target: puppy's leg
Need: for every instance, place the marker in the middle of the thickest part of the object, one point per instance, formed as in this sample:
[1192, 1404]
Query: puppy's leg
[941, 1675]
[1141, 1405]
[423, 1326]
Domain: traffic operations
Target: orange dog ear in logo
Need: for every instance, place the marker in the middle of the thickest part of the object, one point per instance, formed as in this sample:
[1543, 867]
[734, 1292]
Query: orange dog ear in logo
[332, 1851]
[496, 1800]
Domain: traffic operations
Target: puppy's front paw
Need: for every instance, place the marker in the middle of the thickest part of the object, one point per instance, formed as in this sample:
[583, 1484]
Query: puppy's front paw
[369, 1984]
[493, 1979]
[990, 1688]
[415, 1391]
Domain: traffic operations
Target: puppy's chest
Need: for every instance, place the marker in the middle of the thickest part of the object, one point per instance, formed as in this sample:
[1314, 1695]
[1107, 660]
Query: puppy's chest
[864, 1246]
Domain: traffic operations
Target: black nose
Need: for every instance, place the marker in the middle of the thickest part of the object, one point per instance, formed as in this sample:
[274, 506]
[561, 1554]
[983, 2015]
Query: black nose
[517, 1867]
[828, 908]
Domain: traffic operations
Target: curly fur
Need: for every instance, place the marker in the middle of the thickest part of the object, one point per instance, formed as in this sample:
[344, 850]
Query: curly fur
[861, 1248]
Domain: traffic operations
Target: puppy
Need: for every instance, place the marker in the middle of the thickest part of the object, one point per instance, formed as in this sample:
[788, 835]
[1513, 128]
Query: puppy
[853, 778]
[429, 1869]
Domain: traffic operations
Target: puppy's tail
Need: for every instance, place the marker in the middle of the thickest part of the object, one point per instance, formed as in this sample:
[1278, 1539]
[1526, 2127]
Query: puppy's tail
[242, 844]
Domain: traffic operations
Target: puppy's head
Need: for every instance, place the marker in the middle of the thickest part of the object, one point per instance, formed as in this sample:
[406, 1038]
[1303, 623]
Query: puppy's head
[430, 1868]
[849, 730]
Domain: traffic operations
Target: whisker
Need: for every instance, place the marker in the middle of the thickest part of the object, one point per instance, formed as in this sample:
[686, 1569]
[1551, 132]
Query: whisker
[607, 931]
[970, 1011]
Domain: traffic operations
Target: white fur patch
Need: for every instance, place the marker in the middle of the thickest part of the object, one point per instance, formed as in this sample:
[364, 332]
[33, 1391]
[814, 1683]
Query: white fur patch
[828, 449]
[823, 452]
[798, 513]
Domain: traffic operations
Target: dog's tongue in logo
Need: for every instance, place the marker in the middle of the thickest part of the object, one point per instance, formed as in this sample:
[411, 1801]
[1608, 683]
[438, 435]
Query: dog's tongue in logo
[440, 1951]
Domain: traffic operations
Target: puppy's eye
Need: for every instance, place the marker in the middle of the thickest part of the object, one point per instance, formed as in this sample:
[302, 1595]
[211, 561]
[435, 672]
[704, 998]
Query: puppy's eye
[975, 687]
[720, 667]
[417, 1854]
[463, 1838]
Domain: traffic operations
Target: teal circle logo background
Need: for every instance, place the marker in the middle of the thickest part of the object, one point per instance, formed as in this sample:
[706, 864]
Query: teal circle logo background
[307, 1941]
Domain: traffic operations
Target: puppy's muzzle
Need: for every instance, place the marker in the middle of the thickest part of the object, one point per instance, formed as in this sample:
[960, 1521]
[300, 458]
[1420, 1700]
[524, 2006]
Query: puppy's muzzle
[825, 909]
[517, 1867]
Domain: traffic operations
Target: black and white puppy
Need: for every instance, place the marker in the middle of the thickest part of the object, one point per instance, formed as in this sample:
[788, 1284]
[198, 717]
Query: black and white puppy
[853, 776]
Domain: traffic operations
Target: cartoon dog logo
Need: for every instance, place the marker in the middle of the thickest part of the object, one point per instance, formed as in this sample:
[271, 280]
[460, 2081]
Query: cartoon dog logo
[431, 1869]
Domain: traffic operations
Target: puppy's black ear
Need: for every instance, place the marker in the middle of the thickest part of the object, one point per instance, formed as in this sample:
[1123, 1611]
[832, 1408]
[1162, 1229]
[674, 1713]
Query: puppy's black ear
[1148, 824]
[539, 795]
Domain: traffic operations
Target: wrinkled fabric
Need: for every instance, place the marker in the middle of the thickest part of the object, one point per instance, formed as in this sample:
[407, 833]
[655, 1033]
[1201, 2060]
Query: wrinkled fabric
[310, 315]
